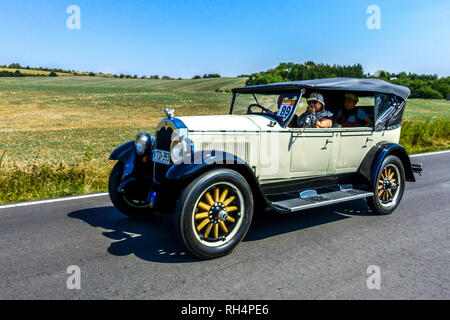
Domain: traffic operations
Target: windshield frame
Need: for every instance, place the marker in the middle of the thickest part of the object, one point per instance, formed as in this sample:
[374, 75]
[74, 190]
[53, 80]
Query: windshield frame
[283, 124]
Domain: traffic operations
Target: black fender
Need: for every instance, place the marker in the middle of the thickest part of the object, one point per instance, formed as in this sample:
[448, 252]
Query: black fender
[373, 160]
[125, 153]
[197, 163]
[122, 151]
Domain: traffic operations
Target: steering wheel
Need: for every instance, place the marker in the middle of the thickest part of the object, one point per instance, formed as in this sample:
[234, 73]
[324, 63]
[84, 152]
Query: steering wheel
[249, 109]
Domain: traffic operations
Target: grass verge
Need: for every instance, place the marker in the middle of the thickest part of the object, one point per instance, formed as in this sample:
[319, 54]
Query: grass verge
[425, 136]
[40, 181]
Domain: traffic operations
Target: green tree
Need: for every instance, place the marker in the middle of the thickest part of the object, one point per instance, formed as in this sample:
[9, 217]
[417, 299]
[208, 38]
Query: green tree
[15, 65]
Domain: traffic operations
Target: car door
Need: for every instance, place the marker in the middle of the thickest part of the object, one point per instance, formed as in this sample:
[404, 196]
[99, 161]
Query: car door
[354, 145]
[311, 152]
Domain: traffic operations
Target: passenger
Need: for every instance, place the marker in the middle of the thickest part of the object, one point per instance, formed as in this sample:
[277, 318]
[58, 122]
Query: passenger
[350, 116]
[315, 115]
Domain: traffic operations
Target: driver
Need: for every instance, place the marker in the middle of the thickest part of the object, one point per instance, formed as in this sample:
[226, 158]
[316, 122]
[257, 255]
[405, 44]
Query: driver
[315, 115]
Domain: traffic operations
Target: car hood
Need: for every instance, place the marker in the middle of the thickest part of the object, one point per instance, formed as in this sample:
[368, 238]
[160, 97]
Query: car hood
[221, 123]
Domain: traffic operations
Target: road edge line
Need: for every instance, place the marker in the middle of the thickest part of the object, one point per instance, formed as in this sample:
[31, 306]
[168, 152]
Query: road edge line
[429, 153]
[34, 202]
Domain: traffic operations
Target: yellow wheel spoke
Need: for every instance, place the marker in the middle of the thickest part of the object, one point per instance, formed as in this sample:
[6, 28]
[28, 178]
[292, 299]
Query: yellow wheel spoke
[391, 175]
[379, 187]
[231, 209]
[393, 180]
[208, 230]
[223, 195]
[228, 201]
[216, 194]
[202, 224]
[203, 206]
[388, 173]
[223, 226]
[209, 198]
[382, 175]
[390, 193]
[379, 193]
[380, 181]
[216, 230]
[231, 219]
[201, 215]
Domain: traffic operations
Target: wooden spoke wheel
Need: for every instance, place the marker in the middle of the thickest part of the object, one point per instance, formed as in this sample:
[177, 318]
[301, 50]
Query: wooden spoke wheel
[214, 213]
[388, 187]
[217, 214]
[388, 184]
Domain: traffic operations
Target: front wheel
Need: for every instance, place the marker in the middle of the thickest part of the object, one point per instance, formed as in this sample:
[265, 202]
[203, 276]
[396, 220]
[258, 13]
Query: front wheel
[389, 186]
[131, 201]
[214, 213]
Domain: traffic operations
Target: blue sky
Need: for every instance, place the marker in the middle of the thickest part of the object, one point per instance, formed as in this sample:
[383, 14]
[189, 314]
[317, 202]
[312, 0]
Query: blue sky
[185, 38]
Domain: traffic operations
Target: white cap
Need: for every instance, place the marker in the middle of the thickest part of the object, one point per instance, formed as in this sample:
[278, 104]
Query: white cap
[315, 96]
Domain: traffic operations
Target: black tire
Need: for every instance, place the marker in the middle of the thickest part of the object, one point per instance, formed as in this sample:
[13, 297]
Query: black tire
[386, 198]
[120, 200]
[208, 244]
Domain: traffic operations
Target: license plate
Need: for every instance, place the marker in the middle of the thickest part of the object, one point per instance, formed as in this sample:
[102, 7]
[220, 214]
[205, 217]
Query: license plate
[161, 156]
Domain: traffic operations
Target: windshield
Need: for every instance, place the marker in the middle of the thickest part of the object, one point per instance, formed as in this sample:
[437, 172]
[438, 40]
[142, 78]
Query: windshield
[280, 107]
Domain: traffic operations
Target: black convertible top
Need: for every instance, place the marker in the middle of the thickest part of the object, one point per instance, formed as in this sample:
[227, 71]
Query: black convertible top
[334, 84]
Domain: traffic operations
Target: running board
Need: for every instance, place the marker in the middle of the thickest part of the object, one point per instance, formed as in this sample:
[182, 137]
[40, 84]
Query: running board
[324, 199]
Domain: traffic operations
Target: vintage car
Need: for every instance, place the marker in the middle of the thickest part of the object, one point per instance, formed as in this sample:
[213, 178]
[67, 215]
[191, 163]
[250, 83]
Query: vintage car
[214, 172]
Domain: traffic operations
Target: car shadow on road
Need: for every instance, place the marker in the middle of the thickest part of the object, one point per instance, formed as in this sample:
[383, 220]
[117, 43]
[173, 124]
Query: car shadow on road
[149, 239]
[155, 239]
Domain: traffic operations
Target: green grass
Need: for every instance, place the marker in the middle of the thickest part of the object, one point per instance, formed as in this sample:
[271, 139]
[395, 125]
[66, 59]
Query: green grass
[427, 109]
[425, 136]
[56, 133]
[45, 180]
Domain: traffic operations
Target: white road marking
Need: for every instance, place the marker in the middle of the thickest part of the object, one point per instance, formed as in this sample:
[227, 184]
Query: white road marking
[429, 153]
[95, 195]
[31, 203]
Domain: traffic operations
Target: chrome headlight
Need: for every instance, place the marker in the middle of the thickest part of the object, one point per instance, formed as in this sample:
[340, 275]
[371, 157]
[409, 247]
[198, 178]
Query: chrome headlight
[180, 148]
[143, 142]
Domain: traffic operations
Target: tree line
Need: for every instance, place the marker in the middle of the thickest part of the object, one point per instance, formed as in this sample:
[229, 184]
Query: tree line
[207, 76]
[53, 72]
[421, 85]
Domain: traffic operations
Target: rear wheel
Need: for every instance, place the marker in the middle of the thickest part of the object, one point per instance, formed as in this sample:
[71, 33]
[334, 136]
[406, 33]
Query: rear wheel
[132, 201]
[214, 213]
[389, 186]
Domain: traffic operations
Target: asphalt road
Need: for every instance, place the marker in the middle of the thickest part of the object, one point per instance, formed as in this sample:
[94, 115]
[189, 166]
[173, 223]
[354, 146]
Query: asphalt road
[316, 254]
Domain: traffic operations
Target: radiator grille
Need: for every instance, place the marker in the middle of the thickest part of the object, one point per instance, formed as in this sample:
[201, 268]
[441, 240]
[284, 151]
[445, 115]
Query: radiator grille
[240, 149]
[163, 140]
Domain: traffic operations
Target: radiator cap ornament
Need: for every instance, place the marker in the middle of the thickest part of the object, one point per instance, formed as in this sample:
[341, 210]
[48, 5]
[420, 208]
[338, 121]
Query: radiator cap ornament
[169, 113]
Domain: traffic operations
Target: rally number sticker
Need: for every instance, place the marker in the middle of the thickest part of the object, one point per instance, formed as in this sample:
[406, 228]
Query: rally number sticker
[286, 108]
